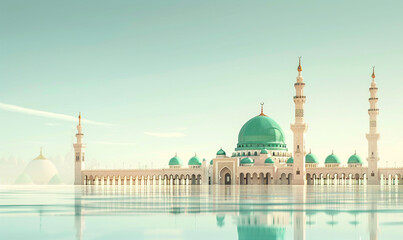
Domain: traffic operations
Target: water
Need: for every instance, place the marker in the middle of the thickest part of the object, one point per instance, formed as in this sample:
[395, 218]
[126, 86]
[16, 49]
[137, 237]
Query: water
[201, 212]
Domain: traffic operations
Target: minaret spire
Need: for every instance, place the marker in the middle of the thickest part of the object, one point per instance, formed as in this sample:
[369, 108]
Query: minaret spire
[299, 64]
[299, 128]
[373, 135]
[373, 73]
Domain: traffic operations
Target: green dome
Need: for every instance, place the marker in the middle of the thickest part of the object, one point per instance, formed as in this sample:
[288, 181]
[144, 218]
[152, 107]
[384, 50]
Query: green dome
[310, 158]
[355, 159]
[268, 160]
[247, 161]
[211, 162]
[261, 132]
[221, 152]
[264, 151]
[332, 159]
[55, 180]
[24, 179]
[175, 161]
[290, 160]
[194, 161]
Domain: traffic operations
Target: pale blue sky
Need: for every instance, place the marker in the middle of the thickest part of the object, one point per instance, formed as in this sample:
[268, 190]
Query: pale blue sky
[198, 69]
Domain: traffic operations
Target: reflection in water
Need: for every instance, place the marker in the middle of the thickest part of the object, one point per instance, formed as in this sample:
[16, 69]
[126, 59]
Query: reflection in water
[259, 213]
[248, 212]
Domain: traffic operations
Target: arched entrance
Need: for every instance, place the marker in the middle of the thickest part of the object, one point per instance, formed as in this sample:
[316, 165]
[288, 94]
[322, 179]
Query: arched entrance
[225, 176]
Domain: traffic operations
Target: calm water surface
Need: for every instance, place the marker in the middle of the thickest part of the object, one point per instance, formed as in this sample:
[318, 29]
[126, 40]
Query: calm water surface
[201, 212]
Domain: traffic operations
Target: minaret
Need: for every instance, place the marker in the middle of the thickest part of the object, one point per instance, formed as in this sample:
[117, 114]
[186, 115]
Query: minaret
[299, 128]
[373, 135]
[79, 149]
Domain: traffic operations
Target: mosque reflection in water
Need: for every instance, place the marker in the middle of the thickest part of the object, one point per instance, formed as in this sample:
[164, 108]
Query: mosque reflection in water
[259, 213]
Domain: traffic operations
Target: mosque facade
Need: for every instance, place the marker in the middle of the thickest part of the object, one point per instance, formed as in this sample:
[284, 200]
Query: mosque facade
[261, 157]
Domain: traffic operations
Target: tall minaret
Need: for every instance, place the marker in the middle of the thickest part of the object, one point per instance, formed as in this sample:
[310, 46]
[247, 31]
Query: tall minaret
[373, 135]
[299, 128]
[79, 148]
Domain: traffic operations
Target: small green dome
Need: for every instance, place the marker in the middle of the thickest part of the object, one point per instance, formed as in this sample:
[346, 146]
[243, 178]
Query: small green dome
[247, 161]
[332, 159]
[290, 160]
[310, 158]
[194, 161]
[211, 162]
[55, 180]
[24, 179]
[264, 151]
[175, 161]
[268, 160]
[221, 152]
[355, 159]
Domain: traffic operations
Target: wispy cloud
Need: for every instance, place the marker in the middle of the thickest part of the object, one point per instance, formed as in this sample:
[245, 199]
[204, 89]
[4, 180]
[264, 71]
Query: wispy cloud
[112, 143]
[29, 111]
[165, 134]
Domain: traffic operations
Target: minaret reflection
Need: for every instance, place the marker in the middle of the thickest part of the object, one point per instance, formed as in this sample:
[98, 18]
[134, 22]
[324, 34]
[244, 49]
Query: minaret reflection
[299, 194]
[373, 223]
[78, 212]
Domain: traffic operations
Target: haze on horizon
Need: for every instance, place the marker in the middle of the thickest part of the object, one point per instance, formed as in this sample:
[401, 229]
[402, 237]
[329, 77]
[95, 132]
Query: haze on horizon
[152, 78]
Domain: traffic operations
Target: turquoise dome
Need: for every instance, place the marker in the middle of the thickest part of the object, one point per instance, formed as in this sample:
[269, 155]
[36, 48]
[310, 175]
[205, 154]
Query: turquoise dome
[175, 161]
[24, 179]
[355, 159]
[211, 162]
[264, 151]
[221, 152]
[332, 159]
[310, 158]
[290, 160]
[55, 180]
[247, 161]
[268, 160]
[194, 161]
[261, 132]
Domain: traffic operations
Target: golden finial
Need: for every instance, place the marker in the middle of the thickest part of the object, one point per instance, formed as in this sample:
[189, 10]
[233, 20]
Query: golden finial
[79, 119]
[299, 64]
[309, 150]
[373, 72]
[261, 109]
[41, 152]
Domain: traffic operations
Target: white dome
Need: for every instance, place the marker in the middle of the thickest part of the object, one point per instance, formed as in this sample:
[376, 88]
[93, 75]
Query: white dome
[41, 170]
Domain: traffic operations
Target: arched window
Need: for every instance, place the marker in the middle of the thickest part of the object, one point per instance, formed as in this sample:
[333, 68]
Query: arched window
[248, 153]
[255, 153]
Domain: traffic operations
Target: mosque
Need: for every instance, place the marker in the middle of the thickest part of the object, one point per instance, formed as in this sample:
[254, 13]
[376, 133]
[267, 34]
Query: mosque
[261, 157]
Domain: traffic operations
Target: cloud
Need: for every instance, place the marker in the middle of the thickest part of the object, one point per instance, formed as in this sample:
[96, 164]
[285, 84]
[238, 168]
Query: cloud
[14, 108]
[165, 134]
[111, 143]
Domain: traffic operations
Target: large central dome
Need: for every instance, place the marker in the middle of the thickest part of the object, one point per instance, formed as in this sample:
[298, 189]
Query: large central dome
[261, 132]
